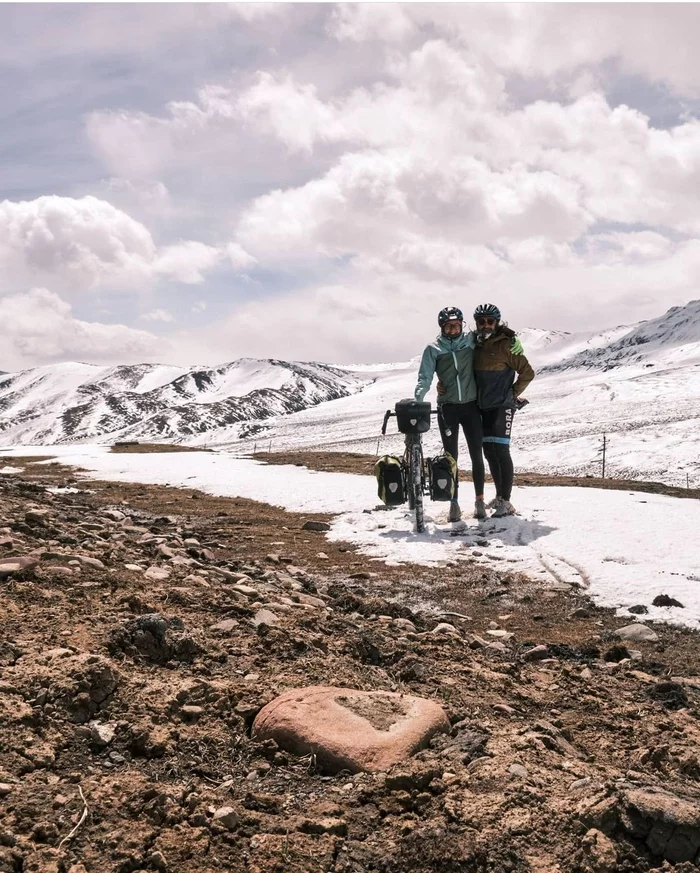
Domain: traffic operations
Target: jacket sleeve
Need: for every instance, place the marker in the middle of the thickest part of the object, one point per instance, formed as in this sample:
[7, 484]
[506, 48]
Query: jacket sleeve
[522, 367]
[425, 373]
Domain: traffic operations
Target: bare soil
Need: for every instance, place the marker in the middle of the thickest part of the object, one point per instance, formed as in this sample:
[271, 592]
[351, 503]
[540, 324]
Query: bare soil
[126, 701]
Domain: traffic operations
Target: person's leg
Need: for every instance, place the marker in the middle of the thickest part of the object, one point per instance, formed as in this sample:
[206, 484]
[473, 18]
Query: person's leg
[470, 419]
[499, 446]
[489, 423]
[449, 431]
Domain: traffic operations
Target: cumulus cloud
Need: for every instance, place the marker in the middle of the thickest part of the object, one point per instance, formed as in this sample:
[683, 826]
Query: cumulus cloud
[430, 176]
[158, 315]
[81, 243]
[39, 327]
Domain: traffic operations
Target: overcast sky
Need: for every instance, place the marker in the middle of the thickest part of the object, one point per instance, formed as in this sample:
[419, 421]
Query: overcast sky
[196, 183]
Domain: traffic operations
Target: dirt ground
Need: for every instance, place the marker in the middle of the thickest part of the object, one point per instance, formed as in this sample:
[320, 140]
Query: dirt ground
[132, 667]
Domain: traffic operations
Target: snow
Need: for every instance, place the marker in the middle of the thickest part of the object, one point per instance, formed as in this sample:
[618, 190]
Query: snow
[624, 548]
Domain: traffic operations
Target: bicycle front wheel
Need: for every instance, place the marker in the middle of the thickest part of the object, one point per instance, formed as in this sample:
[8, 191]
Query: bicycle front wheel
[416, 485]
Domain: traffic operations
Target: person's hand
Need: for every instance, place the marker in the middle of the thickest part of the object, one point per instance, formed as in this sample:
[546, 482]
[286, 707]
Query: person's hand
[440, 388]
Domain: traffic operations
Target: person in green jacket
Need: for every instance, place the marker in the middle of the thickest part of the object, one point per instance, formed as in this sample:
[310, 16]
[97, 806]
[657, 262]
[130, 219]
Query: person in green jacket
[451, 356]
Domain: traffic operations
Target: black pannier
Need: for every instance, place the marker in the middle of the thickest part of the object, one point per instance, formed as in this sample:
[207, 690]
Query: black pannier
[442, 477]
[391, 480]
[413, 416]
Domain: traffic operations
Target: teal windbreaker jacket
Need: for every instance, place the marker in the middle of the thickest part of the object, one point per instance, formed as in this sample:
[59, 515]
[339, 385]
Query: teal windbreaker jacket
[453, 361]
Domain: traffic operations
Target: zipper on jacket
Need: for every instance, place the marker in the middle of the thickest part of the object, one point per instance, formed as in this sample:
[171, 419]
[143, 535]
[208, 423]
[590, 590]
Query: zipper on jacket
[459, 387]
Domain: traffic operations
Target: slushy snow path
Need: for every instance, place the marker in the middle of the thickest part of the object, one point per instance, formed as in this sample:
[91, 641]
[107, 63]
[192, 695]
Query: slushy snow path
[625, 548]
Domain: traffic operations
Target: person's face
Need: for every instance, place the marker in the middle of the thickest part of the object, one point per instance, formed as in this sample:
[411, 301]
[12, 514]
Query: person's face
[486, 325]
[452, 328]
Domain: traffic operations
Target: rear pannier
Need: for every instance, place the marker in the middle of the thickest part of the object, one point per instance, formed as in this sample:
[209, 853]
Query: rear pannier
[442, 476]
[391, 480]
[413, 416]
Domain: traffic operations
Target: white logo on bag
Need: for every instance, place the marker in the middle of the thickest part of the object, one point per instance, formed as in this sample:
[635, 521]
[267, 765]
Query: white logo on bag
[413, 421]
[393, 486]
[442, 483]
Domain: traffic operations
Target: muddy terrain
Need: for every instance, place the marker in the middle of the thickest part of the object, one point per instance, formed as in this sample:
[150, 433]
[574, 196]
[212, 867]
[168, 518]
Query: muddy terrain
[147, 626]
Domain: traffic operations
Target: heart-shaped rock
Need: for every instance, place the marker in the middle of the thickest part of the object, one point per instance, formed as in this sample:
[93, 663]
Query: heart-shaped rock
[347, 729]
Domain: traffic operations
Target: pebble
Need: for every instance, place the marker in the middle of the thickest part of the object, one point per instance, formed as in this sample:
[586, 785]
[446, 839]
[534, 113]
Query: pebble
[226, 817]
[5, 788]
[444, 628]
[519, 771]
[265, 617]
[158, 574]
[225, 626]
[537, 653]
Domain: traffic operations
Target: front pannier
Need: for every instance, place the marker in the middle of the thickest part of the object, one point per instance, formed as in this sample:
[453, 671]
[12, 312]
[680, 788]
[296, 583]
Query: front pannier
[413, 416]
[442, 476]
[391, 480]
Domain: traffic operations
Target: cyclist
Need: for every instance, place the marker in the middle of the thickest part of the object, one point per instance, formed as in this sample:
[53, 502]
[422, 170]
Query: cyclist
[451, 356]
[496, 362]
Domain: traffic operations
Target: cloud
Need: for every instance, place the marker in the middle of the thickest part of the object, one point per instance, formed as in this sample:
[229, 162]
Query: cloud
[158, 315]
[82, 243]
[39, 328]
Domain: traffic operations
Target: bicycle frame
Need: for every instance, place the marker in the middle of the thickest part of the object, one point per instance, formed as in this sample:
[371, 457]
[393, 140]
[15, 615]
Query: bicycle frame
[414, 467]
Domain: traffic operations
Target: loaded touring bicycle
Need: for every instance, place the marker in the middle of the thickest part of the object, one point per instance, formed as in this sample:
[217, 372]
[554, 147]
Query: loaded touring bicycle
[408, 478]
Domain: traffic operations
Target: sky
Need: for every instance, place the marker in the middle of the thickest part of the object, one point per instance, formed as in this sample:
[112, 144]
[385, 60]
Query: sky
[194, 183]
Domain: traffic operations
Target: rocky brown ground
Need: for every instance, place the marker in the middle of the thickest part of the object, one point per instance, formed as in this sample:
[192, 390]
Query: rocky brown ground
[150, 625]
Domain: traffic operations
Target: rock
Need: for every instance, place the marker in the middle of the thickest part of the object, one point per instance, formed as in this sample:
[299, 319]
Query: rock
[225, 626]
[37, 517]
[518, 771]
[404, 624]
[192, 713]
[671, 695]
[5, 788]
[247, 590]
[349, 729]
[477, 642]
[158, 574]
[502, 635]
[581, 612]
[316, 525]
[667, 823]
[265, 617]
[113, 514]
[503, 709]
[226, 817]
[444, 628]
[309, 600]
[10, 566]
[133, 567]
[617, 653]
[102, 734]
[638, 610]
[535, 654]
[637, 633]
[87, 561]
[665, 600]
[599, 852]
[336, 826]
[164, 551]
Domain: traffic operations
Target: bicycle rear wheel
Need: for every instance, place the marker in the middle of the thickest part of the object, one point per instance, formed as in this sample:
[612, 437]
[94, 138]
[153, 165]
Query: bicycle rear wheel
[416, 483]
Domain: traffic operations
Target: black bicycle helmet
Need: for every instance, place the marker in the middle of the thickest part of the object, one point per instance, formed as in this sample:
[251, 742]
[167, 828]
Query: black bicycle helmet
[450, 313]
[487, 310]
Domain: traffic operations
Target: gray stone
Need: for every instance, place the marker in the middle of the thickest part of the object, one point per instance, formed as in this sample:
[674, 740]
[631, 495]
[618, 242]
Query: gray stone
[518, 771]
[444, 628]
[316, 525]
[265, 617]
[535, 654]
[158, 574]
[225, 626]
[102, 734]
[226, 817]
[637, 633]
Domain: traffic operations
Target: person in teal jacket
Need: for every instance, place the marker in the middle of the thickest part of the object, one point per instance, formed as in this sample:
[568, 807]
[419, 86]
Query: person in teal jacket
[451, 356]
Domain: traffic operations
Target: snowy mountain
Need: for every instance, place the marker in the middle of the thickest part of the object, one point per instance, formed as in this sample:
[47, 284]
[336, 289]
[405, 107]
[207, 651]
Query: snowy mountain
[81, 402]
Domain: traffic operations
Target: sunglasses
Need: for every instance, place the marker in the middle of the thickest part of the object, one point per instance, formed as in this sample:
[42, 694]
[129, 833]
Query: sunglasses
[485, 321]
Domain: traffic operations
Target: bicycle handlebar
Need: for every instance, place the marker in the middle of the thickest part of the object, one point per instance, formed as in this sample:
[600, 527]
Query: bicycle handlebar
[388, 414]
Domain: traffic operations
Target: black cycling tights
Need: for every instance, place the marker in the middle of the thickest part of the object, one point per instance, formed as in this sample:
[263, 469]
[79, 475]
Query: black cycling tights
[501, 467]
[451, 416]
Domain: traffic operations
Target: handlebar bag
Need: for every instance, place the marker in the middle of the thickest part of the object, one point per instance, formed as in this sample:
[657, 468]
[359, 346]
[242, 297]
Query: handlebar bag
[391, 480]
[413, 416]
[442, 477]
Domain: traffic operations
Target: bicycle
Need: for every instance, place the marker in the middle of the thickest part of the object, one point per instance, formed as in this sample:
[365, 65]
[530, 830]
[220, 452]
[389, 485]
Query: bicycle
[413, 420]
